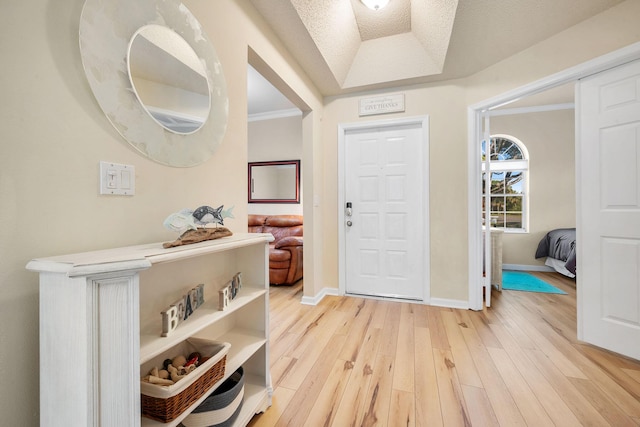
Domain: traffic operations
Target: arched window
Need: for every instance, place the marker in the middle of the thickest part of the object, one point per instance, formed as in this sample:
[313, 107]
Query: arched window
[509, 186]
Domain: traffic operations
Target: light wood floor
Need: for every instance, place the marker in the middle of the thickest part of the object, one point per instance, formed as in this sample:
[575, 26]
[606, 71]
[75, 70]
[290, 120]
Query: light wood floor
[362, 362]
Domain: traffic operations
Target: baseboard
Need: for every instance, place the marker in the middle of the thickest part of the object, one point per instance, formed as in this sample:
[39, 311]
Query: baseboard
[449, 303]
[438, 302]
[318, 297]
[522, 267]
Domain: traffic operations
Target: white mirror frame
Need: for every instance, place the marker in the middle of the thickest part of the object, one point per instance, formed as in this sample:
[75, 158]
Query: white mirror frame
[106, 28]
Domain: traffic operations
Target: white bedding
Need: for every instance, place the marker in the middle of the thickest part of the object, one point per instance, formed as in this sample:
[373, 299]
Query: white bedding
[558, 265]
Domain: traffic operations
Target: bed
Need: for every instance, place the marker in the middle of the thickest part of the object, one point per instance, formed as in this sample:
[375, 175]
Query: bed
[559, 246]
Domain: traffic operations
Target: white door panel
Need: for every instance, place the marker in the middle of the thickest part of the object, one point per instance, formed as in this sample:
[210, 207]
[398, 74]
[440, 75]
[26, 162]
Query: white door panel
[384, 245]
[609, 197]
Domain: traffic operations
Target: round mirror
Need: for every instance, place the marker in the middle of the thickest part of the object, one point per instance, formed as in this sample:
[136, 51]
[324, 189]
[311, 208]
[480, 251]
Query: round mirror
[169, 79]
[157, 77]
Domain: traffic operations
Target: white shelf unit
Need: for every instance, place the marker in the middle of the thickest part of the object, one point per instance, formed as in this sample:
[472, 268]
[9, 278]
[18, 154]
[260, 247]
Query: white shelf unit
[101, 311]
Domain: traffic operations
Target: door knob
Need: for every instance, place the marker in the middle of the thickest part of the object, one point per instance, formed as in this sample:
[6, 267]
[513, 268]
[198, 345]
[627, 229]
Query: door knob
[349, 223]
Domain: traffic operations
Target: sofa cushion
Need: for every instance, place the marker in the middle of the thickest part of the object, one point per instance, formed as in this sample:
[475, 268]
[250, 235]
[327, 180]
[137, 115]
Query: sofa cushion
[255, 229]
[278, 255]
[285, 265]
[257, 220]
[289, 241]
[256, 223]
[278, 276]
[282, 232]
[283, 220]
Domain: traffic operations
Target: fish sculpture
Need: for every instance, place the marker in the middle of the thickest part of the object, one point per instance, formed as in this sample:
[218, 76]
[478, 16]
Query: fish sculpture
[188, 219]
[207, 215]
[181, 221]
[228, 213]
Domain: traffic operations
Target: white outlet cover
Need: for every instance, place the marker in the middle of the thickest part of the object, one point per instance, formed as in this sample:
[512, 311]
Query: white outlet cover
[117, 179]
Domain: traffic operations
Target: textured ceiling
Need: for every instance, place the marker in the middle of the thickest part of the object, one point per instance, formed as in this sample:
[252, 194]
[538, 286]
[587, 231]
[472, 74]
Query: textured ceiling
[397, 19]
[345, 47]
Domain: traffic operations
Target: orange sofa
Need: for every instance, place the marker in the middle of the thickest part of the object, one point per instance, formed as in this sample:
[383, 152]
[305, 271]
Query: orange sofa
[285, 252]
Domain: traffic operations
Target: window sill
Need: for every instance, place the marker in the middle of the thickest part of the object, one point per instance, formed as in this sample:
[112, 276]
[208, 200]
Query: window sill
[514, 230]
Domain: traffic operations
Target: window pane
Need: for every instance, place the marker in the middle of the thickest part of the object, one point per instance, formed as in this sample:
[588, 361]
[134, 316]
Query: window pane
[514, 180]
[497, 182]
[514, 220]
[504, 149]
[498, 147]
[513, 204]
[497, 204]
[508, 181]
[504, 153]
[513, 153]
[516, 188]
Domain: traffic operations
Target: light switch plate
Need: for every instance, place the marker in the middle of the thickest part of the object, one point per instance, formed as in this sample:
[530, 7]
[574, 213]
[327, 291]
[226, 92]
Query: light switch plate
[117, 179]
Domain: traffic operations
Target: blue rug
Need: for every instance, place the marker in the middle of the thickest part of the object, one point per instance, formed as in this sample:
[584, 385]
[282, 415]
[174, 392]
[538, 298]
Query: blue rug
[523, 281]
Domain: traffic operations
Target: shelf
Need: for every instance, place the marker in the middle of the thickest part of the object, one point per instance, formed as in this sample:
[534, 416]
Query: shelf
[255, 399]
[152, 344]
[244, 344]
[208, 247]
[117, 327]
[139, 257]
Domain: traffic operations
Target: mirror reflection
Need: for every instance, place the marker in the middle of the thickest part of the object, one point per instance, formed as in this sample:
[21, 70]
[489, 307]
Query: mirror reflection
[169, 79]
[274, 182]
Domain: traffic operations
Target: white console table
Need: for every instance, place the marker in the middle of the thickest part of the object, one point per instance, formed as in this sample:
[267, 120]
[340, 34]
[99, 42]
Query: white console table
[100, 320]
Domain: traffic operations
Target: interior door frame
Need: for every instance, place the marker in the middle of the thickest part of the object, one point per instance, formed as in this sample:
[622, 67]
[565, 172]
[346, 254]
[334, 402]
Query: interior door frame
[343, 128]
[475, 115]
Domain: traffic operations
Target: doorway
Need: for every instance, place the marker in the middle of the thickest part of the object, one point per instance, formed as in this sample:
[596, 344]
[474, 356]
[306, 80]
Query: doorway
[476, 116]
[291, 107]
[532, 187]
[384, 193]
[274, 139]
[477, 113]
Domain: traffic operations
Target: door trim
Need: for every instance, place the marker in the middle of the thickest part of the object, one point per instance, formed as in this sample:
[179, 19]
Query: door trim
[343, 128]
[475, 114]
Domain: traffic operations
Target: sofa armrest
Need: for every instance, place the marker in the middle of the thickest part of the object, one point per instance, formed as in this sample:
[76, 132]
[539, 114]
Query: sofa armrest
[289, 241]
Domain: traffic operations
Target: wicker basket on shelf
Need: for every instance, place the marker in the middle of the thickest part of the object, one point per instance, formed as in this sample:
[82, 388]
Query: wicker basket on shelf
[166, 403]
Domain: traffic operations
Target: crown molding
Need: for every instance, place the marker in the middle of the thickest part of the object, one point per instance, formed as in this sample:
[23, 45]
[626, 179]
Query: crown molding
[274, 115]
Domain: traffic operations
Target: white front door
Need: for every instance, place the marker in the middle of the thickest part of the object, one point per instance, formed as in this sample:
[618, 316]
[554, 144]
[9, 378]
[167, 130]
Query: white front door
[385, 231]
[608, 240]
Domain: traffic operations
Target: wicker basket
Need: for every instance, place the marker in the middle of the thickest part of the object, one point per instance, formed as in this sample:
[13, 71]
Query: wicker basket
[223, 406]
[166, 403]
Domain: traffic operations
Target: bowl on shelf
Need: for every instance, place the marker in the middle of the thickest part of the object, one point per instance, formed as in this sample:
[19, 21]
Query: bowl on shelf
[222, 407]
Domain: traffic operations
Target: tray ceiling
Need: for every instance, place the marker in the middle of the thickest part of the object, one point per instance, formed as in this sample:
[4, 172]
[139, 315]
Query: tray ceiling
[345, 47]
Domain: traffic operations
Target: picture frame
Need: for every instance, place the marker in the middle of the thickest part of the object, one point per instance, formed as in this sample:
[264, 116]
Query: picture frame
[274, 182]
